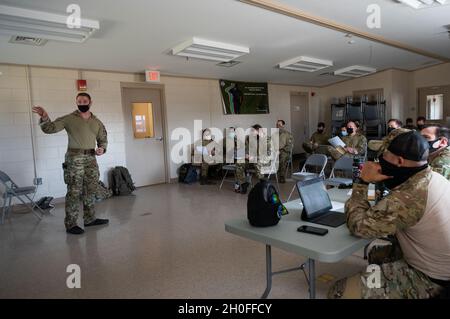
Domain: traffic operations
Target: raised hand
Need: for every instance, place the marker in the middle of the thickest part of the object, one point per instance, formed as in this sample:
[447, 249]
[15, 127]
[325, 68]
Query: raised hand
[40, 111]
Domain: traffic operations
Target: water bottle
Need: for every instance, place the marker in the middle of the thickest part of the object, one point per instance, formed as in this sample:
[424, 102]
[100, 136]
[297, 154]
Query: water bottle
[358, 163]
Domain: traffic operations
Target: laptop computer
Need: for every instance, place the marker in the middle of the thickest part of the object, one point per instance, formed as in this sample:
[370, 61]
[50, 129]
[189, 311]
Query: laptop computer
[317, 204]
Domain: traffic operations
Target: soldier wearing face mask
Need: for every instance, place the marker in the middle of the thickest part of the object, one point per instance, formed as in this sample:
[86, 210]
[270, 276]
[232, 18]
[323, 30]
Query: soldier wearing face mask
[438, 138]
[318, 138]
[85, 132]
[393, 124]
[355, 143]
[415, 212]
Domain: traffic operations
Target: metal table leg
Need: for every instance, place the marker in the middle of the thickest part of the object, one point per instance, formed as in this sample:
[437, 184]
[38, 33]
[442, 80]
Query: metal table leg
[268, 272]
[312, 278]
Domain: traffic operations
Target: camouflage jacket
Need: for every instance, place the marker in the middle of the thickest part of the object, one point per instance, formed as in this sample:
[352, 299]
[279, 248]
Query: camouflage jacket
[285, 140]
[357, 141]
[82, 134]
[402, 208]
[440, 162]
[320, 138]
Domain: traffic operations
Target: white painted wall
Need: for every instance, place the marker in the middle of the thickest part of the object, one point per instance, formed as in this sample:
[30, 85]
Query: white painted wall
[187, 100]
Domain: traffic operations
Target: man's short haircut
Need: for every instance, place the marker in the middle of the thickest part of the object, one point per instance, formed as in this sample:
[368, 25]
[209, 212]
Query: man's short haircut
[84, 94]
[421, 118]
[282, 122]
[409, 120]
[396, 121]
[257, 127]
[441, 131]
[321, 124]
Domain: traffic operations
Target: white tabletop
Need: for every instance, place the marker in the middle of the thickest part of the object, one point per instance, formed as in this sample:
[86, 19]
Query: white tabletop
[332, 247]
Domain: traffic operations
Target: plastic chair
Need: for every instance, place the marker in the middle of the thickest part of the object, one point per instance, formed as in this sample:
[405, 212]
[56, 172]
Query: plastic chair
[13, 190]
[344, 164]
[315, 161]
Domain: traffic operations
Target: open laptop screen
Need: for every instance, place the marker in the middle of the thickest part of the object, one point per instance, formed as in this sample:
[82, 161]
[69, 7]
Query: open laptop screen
[314, 197]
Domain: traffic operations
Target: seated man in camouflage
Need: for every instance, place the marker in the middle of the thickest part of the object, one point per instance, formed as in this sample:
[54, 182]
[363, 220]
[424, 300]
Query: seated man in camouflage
[355, 143]
[318, 138]
[415, 212]
[254, 157]
[438, 137]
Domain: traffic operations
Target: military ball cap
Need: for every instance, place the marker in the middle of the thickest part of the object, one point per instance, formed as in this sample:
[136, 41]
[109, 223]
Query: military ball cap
[411, 146]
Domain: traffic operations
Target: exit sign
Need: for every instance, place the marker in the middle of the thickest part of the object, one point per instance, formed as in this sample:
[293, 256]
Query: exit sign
[152, 76]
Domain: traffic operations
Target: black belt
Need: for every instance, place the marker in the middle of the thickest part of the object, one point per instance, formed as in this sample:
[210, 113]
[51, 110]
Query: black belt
[443, 283]
[79, 151]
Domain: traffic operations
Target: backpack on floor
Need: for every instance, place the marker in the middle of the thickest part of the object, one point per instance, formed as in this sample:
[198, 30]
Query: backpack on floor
[191, 176]
[121, 182]
[182, 172]
[264, 207]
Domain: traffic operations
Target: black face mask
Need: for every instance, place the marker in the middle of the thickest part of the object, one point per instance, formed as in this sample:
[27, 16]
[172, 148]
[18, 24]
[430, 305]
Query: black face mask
[320, 130]
[399, 174]
[390, 129]
[431, 143]
[83, 108]
[349, 130]
[420, 127]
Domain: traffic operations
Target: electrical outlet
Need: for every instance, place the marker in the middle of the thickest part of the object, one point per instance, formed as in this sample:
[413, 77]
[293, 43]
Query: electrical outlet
[38, 181]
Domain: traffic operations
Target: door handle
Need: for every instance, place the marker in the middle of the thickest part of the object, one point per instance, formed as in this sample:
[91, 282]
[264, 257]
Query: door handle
[159, 138]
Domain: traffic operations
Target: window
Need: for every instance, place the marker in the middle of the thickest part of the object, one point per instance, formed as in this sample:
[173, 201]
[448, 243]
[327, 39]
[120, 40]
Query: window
[435, 107]
[142, 117]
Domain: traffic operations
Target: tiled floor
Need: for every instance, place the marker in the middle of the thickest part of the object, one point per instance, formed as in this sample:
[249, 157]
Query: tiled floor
[167, 241]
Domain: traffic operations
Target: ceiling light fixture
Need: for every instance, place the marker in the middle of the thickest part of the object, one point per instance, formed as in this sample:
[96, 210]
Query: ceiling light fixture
[39, 24]
[305, 64]
[355, 71]
[420, 4]
[209, 50]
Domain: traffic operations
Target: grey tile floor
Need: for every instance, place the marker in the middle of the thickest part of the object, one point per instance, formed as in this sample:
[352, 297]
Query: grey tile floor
[167, 241]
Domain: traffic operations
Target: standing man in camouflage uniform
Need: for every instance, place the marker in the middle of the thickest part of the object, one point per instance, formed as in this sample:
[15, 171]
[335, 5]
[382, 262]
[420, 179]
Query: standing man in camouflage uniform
[355, 143]
[208, 151]
[286, 142]
[253, 158]
[318, 138]
[415, 211]
[85, 131]
[438, 138]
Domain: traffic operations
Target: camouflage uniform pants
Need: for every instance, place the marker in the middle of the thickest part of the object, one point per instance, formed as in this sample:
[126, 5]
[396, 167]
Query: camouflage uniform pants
[398, 281]
[204, 170]
[283, 164]
[241, 168]
[81, 175]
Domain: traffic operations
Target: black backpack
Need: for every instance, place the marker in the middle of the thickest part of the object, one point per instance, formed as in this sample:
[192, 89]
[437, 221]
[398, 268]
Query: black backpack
[187, 174]
[121, 182]
[264, 207]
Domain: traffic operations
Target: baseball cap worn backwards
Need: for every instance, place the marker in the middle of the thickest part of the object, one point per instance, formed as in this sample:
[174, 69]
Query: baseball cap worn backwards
[411, 146]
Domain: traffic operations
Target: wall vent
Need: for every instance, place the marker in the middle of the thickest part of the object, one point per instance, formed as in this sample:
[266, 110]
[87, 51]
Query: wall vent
[28, 41]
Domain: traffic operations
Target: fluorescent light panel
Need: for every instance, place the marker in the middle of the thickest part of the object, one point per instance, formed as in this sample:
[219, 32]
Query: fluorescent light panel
[419, 4]
[209, 50]
[355, 71]
[305, 64]
[31, 23]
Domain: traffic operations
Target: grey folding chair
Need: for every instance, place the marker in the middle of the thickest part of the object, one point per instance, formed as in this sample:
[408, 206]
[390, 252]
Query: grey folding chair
[345, 166]
[313, 167]
[227, 168]
[272, 169]
[290, 164]
[12, 190]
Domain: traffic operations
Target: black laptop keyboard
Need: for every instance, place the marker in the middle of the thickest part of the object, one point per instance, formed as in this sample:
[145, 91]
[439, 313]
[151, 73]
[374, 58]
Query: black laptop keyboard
[331, 219]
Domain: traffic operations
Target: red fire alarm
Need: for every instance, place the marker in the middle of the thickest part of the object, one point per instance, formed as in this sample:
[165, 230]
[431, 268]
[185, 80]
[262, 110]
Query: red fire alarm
[82, 85]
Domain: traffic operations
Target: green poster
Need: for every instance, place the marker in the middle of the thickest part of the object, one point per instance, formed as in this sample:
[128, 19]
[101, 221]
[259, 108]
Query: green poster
[244, 97]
